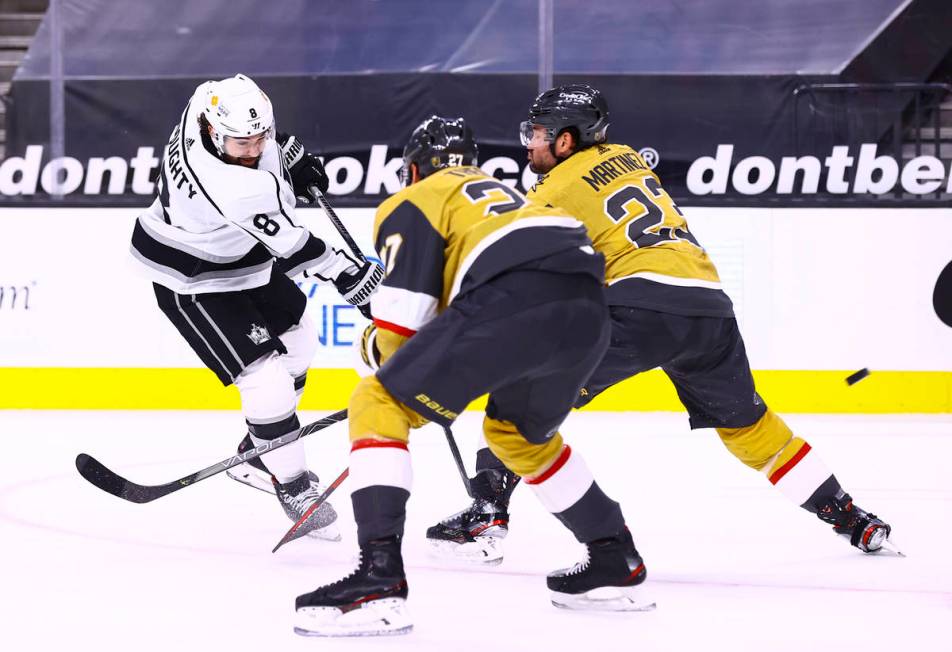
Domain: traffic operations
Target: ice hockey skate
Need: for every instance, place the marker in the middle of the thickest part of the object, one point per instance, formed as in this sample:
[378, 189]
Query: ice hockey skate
[296, 496]
[611, 579]
[475, 534]
[863, 529]
[255, 474]
[371, 601]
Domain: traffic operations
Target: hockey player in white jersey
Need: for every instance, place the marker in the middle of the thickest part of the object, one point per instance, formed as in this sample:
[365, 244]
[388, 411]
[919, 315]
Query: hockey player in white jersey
[220, 243]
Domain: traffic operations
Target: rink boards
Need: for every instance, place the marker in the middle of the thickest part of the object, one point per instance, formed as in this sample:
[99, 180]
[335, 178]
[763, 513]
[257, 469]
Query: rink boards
[819, 293]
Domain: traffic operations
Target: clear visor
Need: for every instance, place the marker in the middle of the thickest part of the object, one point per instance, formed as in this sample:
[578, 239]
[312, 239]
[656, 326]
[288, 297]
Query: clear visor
[534, 135]
[247, 146]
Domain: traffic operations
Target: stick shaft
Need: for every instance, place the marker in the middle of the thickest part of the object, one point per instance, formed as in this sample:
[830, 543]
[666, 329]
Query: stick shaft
[332, 216]
[111, 482]
[454, 449]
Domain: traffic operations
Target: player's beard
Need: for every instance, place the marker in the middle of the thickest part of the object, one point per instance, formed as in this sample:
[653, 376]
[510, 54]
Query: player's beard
[243, 161]
[537, 163]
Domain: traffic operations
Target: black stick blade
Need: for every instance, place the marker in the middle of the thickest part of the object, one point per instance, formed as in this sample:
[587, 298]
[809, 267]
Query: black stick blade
[99, 476]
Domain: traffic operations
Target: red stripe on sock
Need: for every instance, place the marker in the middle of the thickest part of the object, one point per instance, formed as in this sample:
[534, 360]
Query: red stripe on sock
[377, 443]
[395, 328]
[552, 470]
[792, 462]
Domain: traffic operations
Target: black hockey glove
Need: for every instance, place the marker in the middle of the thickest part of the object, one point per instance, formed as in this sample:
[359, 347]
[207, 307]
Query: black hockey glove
[356, 287]
[305, 168]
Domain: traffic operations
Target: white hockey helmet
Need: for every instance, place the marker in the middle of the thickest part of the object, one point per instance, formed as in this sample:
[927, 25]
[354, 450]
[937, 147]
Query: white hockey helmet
[236, 107]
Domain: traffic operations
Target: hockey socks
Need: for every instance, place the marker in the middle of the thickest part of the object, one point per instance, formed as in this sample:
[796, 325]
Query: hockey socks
[381, 477]
[799, 473]
[568, 490]
[286, 463]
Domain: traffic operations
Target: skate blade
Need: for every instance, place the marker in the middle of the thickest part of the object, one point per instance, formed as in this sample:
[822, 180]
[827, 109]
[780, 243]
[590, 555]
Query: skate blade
[606, 598]
[890, 547]
[251, 478]
[385, 617]
[327, 533]
[484, 551]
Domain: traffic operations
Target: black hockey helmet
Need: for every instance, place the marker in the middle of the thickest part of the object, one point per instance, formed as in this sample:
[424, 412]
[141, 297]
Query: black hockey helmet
[439, 143]
[573, 105]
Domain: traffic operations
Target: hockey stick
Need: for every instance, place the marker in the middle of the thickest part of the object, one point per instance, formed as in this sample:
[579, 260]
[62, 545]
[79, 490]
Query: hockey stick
[454, 449]
[332, 216]
[294, 533]
[111, 482]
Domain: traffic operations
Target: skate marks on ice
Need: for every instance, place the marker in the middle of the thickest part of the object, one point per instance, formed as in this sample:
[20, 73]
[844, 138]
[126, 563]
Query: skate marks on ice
[729, 562]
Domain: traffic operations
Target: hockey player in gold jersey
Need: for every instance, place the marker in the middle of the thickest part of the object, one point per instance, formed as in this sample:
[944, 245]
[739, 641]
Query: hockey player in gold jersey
[667, 310]
[485, 293]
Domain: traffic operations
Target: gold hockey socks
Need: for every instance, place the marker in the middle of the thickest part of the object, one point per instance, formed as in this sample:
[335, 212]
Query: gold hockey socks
[519, 455]
[756, 444]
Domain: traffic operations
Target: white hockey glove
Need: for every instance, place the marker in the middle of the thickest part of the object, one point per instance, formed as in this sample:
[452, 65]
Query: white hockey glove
[355, 281]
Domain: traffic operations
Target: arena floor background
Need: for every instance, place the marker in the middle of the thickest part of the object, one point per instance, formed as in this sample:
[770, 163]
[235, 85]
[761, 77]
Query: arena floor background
[731, 564]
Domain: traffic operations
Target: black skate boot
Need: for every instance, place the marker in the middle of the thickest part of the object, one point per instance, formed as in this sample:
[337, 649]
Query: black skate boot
[609, 580]
[475, 534]
[864, 530]
[299, 494]
[371, 601]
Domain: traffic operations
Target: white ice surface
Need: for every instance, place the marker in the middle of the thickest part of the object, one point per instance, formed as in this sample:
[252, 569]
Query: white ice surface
[732, 565]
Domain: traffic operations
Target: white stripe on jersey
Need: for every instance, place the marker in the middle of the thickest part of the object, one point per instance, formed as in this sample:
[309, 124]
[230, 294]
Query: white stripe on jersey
[672, 280]
[499, 234]
[230, 240]
[226, 280]
[411, 310]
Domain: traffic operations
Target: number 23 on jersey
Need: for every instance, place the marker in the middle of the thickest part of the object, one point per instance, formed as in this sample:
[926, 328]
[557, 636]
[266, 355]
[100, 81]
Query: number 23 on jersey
[652, 216]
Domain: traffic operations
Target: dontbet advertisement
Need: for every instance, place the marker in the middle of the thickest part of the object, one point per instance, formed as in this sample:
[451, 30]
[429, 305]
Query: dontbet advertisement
[365, 177]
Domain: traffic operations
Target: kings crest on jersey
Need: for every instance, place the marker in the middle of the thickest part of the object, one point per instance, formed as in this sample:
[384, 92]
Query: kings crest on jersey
[455, 230]
[651, 258]
[216, 227]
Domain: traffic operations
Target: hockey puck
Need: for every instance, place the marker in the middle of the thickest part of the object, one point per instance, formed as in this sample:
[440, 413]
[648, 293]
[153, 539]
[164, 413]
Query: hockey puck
[942, 296]
[852, 379]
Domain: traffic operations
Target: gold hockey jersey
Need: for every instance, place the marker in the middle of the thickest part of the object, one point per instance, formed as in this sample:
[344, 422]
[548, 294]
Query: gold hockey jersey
[652, 259]
[455, 230]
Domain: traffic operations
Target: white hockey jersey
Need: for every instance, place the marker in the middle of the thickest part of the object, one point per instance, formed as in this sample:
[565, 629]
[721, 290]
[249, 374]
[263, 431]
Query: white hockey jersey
[216, 227]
